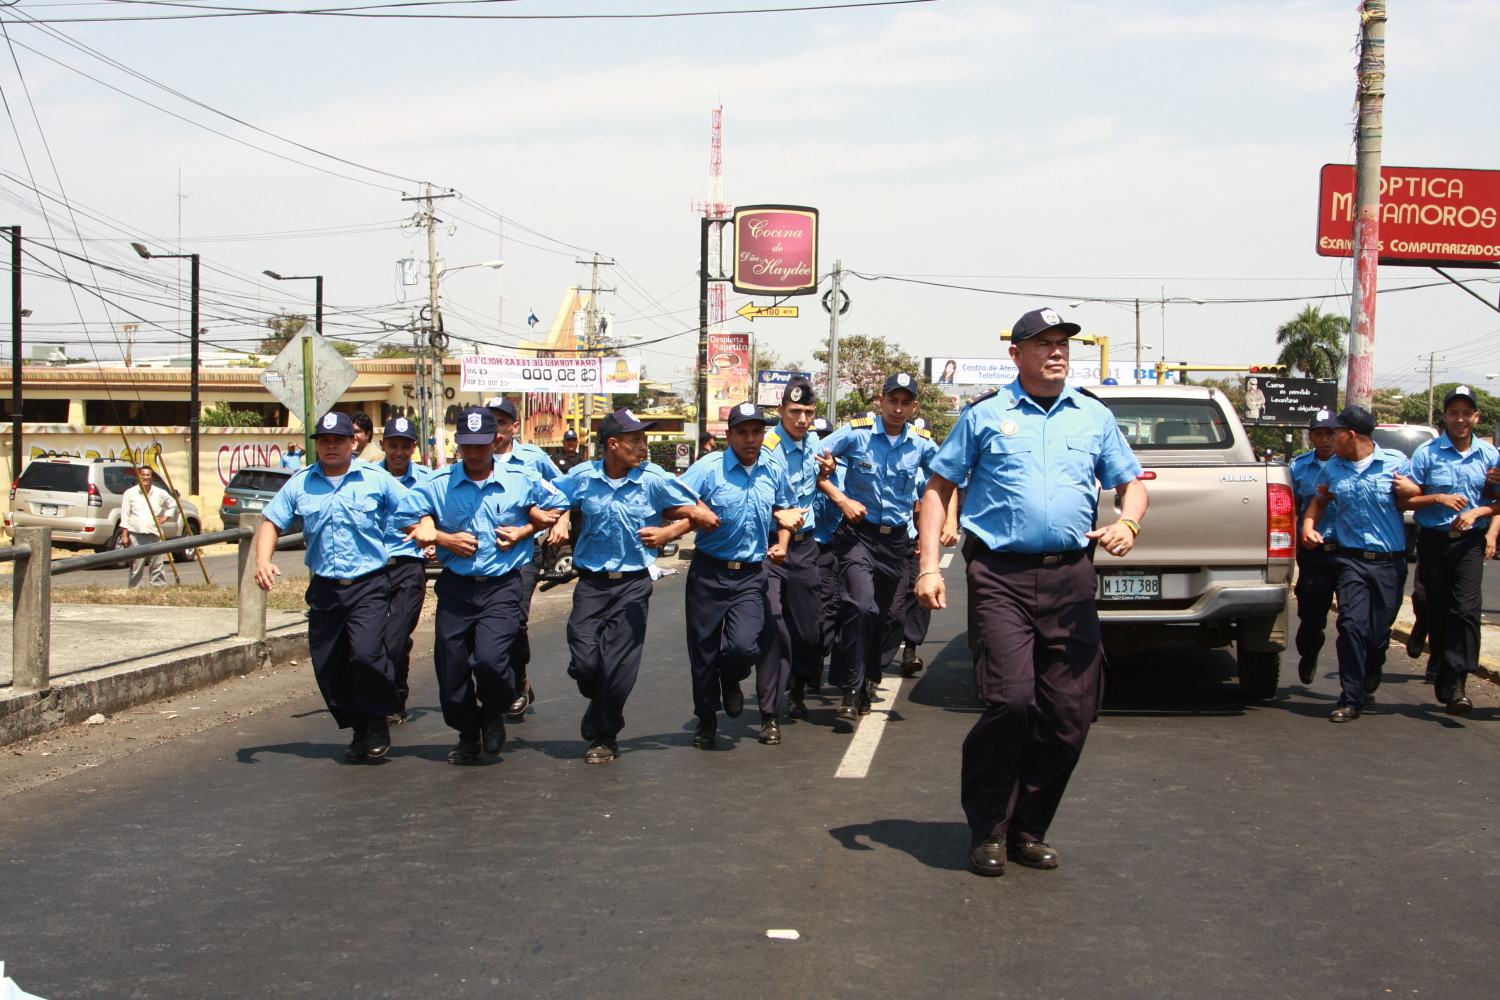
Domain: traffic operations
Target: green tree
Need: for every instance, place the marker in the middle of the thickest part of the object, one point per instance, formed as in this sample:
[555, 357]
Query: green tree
[864, 365]
[283, 328]
[346, 348]
[1312, 343]
[221, 415]
[1387, 405]
[392, 351]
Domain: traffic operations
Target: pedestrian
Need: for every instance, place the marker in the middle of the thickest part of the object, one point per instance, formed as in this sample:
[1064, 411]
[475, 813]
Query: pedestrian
[509, 451]
[884, 459]
[706, 444]
[626, 503]
[748, 493]
[1363, 481]
[346, 508]
[481, 513]
[408, 562]
[1317, 567]
[292, 457]
[1034, 455]
[1453, 519]
[791, 649]
[364, 431]
[827, 518]
[144, 509]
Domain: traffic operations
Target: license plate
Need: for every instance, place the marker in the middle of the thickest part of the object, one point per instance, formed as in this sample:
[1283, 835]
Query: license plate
[255, 504]
[49, 510]
[1124, 586]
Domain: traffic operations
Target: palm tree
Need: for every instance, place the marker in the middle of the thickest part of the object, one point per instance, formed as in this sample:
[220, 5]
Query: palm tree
[1313, 342]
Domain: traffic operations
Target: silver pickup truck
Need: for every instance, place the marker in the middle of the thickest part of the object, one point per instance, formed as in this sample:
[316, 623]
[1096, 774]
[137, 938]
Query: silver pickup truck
[1214, 560]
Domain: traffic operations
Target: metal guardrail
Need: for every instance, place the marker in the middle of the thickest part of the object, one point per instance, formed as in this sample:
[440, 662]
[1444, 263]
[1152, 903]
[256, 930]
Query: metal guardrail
[115, 557]
[9, 553]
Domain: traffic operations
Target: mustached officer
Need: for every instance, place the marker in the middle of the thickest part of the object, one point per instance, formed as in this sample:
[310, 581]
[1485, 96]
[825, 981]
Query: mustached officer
[792, 648]
[481, 513]
[826, 520]
[347, 509]
[1317, 569]
[748, 493]
[1365, 483]
[885, 459]
[624, 499]
[1034, 455]
[408, 564]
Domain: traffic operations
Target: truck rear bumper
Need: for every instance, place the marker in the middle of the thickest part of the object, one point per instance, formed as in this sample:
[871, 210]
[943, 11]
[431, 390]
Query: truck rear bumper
[1218, 603]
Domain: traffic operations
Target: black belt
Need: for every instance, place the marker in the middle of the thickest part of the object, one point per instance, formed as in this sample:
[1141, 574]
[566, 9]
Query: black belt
[609, 574]
[799, 536]
[340, 582]
[1029, 558]
[723, 563]
[1369, 556]
[480, 579]
[878, 529]
[406, 559]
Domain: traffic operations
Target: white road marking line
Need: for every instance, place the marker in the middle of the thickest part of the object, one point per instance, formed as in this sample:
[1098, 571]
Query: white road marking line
[946, 561]
[856, 762]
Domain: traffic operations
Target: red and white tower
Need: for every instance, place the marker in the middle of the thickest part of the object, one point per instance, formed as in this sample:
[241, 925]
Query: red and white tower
[716, 208]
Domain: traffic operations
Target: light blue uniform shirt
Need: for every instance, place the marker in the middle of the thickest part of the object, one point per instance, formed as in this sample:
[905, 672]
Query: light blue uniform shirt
[503, 500]
[289, 461]
[800, 460]
[743, 500]
[1034, 474]
[1438, 467]
[881, 475]
[345, 527]
[608, 541]
[1306, 471]
[396, 542]
[1364, 508]
[529, 456]
[826, 511]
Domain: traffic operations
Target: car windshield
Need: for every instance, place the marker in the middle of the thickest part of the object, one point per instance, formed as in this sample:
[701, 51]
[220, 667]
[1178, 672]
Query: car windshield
[118, 478]
[60, 477]
[1162, 424]
[1403, 439]
[258, 480]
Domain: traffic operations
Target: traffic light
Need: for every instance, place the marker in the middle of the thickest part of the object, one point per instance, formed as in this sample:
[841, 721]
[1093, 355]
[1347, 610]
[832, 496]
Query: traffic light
[1268, 369]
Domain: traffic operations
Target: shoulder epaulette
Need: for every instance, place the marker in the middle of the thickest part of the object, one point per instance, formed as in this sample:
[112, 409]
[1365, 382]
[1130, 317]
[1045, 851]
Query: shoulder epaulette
[861, 422]
[772, 439]
[924, 432]
[1084, 392]
[986, 394]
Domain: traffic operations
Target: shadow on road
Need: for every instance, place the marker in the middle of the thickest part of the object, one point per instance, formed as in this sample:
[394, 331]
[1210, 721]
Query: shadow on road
[1180, 678]
[936, 845]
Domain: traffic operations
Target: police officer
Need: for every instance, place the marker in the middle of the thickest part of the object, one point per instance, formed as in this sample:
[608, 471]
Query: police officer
[570, 456]
[1032, 454]
[1317, 569]
[625, 502]
[408, 565]
[792, 648]
[510, 451]
[747, 491]
[1452, 520]
[884, 459]
[348, 510]
[481, 512]
[1363, 481]
[826, 520]
[912, 619]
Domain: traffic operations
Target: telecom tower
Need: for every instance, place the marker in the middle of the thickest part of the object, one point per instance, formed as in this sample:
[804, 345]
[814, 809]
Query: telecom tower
[713, 299]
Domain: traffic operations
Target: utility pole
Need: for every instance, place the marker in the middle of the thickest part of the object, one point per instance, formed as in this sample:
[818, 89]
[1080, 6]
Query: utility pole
[1368, 134]
[1137, 341]
[1431, 399]
[834, 304]
[16, 404]
[428, 381]
[591, 336]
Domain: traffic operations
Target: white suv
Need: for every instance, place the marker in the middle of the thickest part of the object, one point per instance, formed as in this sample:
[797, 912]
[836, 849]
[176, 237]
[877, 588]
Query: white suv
[79, 499]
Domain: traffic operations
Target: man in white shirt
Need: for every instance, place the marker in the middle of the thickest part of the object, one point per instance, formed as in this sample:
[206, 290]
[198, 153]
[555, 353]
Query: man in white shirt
[144, 509]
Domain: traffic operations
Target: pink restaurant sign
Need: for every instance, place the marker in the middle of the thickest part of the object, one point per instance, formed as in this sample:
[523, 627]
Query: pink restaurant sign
[775, 250]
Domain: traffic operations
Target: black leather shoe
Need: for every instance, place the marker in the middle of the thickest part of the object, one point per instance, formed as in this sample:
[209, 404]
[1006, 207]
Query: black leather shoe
[1458, 700]
[603, 751]
[1032, 854]
[770, 732]
[467, 751]
[1344, 713]
[517, 710]
[493, 735]
[987, 856]
[1414, 643]
[1431, 674]
[1307, 669]
[585, 727]
[911, 663]
[378, 743]
[796, 708]
[397, 718]
[1373, 677]
[357, 749]
[1444, 685]
[734, 698]
[864, 699]
[848, 710]
[704, 735]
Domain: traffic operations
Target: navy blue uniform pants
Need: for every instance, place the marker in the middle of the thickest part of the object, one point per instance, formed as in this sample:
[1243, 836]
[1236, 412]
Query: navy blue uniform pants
[828, 573]
[476, 625]
[1369, 597]
[793, 642]
[726, 613]
[914, 619]
[871, 564]
[1038, 671]
[520, 649]
[346, 637]
[408, 589]
[1451, 571]
[1317, 573]
[606, 632]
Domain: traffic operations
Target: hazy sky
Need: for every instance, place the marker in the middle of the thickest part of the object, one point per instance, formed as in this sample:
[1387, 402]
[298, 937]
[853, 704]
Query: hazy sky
[1064, 149]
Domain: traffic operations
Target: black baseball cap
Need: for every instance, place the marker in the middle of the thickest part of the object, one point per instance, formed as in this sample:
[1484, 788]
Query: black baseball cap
[1356, 419]
[1461, 392]
[502, 405]
[1040, 321]
[622, 422]
[399, 427]
[799, 389]
[821, 425]
[334, 422]
[748, 411]
[1324, 420]
[900, 380]
[570, 435]
[476, 425]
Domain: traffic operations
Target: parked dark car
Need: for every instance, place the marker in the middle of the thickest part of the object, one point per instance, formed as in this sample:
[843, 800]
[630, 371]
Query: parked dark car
[250, 490]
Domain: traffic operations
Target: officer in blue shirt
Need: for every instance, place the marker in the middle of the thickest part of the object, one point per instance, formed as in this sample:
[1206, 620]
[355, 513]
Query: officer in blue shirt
[348, 510]
[529, 456]
[884, 460]
[1317, 569]
[792, 648]
[748, 493]
[481, 512]
[624, 502]
[826, 520]
[408, 565]
[913, 620]
[1363, 481]
[1452, 521]
[1034, 455]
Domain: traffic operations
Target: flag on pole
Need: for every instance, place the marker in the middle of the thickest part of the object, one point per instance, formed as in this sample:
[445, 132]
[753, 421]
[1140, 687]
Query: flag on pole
[531, 320]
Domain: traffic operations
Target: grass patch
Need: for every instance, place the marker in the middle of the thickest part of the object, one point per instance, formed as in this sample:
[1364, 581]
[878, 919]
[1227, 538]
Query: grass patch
[286, 595]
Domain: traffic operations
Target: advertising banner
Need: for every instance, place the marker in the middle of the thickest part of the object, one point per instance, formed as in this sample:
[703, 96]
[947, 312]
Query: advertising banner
[1427, 215]
[500, 374]
[770, 385]
[775, 250]
[1002, 371]
[728, 377]
[1288, 400]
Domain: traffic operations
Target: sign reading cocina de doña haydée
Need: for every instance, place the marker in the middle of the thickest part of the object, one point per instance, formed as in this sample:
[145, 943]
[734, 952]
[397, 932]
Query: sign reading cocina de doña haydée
[775, 250]
[500, 374]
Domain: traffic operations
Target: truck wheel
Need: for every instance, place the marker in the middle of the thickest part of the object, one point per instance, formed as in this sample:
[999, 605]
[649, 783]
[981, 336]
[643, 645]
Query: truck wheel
[1260, 674]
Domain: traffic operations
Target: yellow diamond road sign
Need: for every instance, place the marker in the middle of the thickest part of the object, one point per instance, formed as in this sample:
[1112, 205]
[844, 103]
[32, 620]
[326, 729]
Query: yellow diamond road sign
[753, 313]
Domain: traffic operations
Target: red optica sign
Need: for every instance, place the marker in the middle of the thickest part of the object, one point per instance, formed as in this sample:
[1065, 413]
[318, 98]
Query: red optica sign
[775, 250]
[1428, 215]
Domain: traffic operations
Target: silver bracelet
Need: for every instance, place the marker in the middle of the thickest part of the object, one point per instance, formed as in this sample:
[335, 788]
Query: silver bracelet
[928, 572]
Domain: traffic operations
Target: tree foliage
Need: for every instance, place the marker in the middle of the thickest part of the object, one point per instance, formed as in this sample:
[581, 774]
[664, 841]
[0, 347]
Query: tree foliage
[283, 328]
[1312, 343]
[221, 415]
[346, 348]
[864, 364]
[1414, 406]
[393, 351]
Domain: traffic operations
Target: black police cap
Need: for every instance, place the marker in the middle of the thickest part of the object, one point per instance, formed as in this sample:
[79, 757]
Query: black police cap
[622, 422]
[1040, 321]
[1461, 392]
[1356, 419]
[747, 411]
[799, 389]
[900, 380]
[476, 425]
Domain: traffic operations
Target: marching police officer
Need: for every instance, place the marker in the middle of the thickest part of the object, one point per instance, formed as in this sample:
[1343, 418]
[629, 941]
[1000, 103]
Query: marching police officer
[884, 459]
[1031, 453]
[625, 502]
[747, 491]
[1317, 569]
[826, 520]
[912, 619]
[792, 647]
[408, 565]
[571, 455]
[347, 509]
[481, 513]
[1363, 481]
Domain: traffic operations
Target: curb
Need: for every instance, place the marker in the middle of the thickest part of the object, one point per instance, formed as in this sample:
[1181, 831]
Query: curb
[1487, 668]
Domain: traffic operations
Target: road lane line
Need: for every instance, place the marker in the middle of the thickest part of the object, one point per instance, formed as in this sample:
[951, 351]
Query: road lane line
[946, 561]
[856, 762]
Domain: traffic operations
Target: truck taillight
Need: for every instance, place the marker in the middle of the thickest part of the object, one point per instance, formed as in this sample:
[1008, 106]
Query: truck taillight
[1280, 515]
[13, 487]
[230, 501]
[96, 499]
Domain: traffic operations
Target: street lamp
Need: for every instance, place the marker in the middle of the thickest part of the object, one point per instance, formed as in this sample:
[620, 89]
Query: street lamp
[318, 320]
[308, 416]
[193, 340]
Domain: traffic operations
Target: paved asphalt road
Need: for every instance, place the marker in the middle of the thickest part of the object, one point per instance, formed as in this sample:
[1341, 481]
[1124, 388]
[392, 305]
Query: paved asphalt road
[221, 570]
[1211, 849]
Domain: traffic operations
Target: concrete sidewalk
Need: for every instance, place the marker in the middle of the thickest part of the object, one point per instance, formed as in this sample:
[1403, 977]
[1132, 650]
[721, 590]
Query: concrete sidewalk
[1489, 641]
